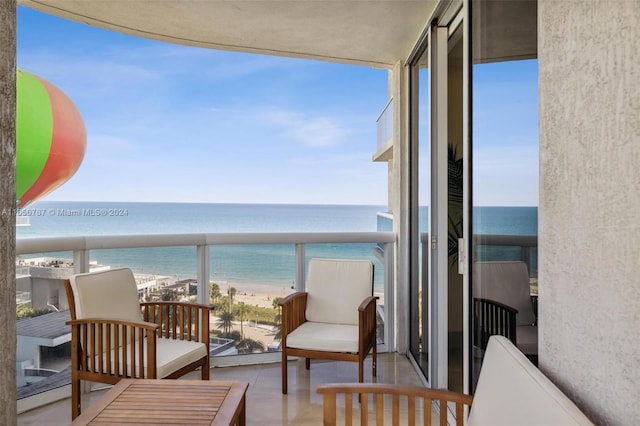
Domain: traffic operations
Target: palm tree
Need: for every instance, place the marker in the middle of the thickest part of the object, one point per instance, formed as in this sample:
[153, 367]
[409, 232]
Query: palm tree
[241, 310]
[232, 292]
[214, 292]
[225, 304]
[226, 322]
[278, 319]
[454, 195]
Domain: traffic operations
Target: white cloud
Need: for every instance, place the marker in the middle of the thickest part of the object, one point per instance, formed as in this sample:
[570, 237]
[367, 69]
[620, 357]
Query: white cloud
[308, 130]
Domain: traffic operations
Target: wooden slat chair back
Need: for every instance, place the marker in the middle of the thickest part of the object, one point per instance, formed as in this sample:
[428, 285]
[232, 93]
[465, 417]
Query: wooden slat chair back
[113, 337]
[503, 305]
[409, 405]
[335, 318]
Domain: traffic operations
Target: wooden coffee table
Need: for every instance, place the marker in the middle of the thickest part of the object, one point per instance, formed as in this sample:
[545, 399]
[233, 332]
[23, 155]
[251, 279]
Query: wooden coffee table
[192, 402]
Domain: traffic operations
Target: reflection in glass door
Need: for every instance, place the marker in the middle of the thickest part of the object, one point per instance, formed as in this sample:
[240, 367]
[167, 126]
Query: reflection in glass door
[420, 111]
[505, 176]
[455, 223]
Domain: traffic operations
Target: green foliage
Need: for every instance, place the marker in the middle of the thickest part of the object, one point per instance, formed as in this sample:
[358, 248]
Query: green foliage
[251, 313]
[226, 321]
[455, 180]
[248, 346]
[168, 295]
[214, 292]
[232, 292]
[24, 311]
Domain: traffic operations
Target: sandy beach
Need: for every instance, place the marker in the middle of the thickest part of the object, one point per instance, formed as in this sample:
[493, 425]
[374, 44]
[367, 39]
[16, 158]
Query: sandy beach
[258, 295]
[263, 294]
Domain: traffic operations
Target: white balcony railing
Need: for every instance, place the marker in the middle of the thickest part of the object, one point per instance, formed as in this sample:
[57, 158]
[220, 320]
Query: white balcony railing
[384, 125]
[81, 247]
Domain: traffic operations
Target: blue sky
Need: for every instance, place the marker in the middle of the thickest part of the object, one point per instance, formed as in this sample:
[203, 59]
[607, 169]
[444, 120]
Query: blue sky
[181, 124]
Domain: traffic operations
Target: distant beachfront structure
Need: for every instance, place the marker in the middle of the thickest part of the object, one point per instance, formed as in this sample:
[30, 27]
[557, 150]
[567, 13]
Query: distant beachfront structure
[43, 342]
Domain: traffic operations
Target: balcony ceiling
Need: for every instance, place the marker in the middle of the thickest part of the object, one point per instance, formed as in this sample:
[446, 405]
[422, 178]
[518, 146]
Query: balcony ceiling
[377, 33]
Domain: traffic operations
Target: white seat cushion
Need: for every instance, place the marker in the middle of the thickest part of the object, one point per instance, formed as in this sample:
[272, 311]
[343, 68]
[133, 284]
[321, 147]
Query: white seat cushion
[324, 337]
[171, 355]
[336, 288]
[511, 391]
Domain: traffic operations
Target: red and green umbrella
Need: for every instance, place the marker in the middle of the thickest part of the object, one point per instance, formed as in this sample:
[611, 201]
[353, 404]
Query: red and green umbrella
[50, 138]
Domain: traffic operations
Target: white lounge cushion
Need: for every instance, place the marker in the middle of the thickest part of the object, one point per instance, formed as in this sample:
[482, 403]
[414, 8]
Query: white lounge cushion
[106, 294]
[336, 288]
[171, 355]
[505, 282]
[511, 391]
[324, 337]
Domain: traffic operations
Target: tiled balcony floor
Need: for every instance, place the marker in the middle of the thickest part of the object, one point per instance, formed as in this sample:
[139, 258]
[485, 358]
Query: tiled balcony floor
[265, 403]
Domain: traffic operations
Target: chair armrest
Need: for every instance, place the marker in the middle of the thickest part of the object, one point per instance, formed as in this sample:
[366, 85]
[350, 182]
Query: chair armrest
[367, 324]
[179, 320]
[294, 308]
[105, 346]
[493, 318]
[97, 321]
[367, 302]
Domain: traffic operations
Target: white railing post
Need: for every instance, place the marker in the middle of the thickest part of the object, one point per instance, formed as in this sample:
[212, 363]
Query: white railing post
[203, 266]
[300, 267]
[389, 300]
[81, 261]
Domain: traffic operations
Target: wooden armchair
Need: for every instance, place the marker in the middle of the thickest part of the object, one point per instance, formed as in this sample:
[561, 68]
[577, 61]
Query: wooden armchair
[334, 319]
[401, 396]
[113, 336]
[503, 305]
[510, 391]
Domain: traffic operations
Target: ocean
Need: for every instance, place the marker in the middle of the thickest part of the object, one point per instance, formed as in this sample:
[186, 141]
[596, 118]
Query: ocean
[255, 264]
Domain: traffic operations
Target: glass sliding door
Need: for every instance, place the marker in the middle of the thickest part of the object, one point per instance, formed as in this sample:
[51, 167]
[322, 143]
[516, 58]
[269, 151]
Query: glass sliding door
[437, 314]
[504, 140]
[420, 112]
[454, 218]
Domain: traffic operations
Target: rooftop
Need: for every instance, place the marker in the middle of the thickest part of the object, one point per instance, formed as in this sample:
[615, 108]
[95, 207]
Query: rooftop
[48, 326]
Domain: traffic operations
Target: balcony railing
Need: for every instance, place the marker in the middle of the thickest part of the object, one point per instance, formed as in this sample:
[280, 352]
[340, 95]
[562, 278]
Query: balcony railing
[501, 247]
[382, 246]
[384, 125]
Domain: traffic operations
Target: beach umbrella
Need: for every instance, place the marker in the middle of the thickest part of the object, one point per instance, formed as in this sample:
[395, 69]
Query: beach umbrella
[50, 138]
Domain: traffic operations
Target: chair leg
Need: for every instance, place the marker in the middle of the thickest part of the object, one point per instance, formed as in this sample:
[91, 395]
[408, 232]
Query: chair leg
[284, 369]
[204, 374]
[307, 363]
[75, 398]
[361, 370]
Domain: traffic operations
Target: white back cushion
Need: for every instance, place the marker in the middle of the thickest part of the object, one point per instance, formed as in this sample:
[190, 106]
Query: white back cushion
[511, 391]
[505, 282]
[336, 288]
[106, 294]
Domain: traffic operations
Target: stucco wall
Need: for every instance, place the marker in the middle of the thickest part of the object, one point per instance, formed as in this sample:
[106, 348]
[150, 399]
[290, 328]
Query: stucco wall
[589, 65]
